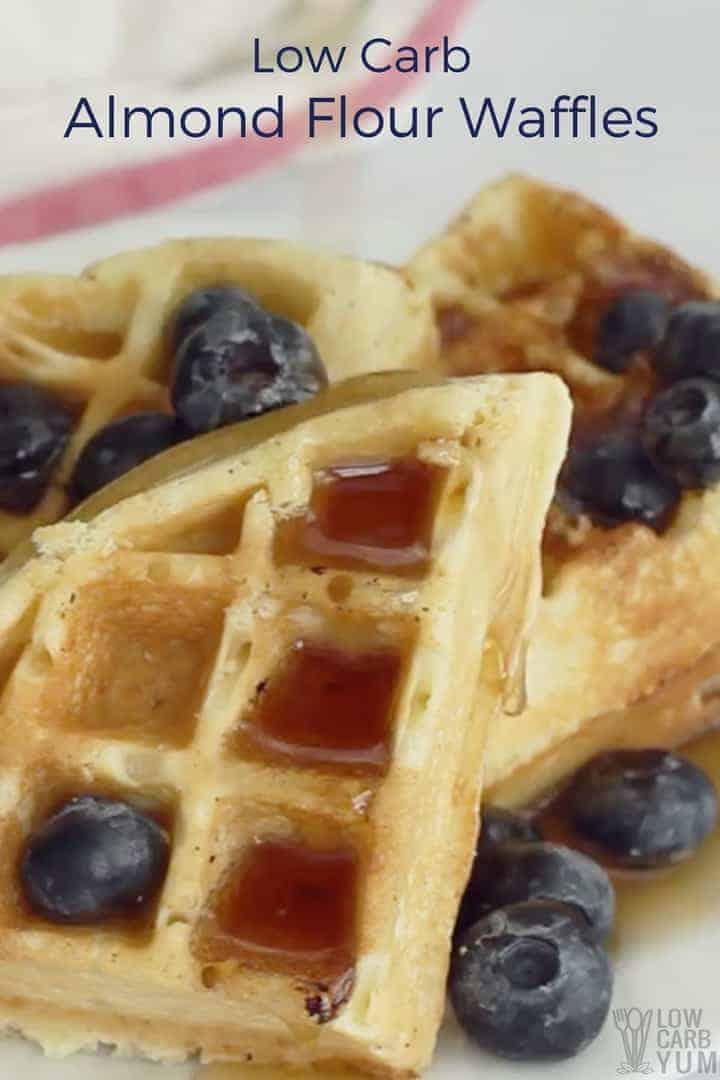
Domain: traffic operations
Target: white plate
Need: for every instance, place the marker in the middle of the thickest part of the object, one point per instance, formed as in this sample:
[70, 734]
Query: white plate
[674, 971]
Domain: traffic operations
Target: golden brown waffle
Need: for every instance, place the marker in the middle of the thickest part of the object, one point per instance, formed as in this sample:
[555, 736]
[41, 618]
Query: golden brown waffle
[137, 647]
[625, 647]
[99, 341]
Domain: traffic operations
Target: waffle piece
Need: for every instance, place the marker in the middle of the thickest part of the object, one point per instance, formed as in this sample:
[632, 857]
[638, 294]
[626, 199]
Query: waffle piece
[625, 650]
[99, 342]
[153, 654]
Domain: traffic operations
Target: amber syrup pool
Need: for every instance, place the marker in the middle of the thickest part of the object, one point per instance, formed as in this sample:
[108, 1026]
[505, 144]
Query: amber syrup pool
[371, 515]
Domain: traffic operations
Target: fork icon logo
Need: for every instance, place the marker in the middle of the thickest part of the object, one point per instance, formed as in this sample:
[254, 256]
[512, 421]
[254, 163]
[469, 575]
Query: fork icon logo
[634, 1027]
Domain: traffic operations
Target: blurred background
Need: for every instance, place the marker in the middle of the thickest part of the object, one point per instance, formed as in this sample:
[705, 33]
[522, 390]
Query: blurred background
[79, 198]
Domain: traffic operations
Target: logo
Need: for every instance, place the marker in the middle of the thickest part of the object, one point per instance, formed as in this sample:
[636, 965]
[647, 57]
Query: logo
[666, 1042]
[634, 1028]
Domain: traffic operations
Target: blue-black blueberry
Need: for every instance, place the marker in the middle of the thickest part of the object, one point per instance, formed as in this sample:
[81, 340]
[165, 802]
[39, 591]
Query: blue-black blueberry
[499, 826]
[241, 363]
[526, 982]
[93, 860]
[633, 321]
[516, 871]
[642, 808]
[119, 447]
[612, 479]
[681, 432]
[691, 345]
[202, 304]
[34, 430]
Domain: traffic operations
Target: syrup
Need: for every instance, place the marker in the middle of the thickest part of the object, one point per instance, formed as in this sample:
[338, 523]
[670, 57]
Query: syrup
[290, 908]
[369, 515]
[325, 707]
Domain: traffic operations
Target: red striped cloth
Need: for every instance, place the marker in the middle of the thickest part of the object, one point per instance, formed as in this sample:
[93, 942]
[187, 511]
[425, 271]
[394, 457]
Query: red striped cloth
[105, 194]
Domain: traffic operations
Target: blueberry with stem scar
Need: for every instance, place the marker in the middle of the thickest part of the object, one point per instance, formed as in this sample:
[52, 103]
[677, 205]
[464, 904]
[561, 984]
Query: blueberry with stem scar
[527, 983]
[242, 363]
[681, 432]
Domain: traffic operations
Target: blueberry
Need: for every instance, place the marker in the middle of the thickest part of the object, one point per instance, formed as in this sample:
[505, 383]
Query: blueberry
[92, 860]
[527, 983]
[499, 826]
[614, 481]
[512, 872]
[642, 807]
[681, 432]
[634, 321]
[119, 447]
[200, 305]
[34, 430]
[691, 345]
[240, 364]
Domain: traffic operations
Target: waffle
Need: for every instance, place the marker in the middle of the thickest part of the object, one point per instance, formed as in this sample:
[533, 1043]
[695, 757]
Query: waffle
[98, 341]
[146, 642]
[625, 650]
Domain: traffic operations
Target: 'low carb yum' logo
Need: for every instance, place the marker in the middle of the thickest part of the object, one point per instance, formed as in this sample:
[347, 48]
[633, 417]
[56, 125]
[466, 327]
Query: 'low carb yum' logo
[668, 1042]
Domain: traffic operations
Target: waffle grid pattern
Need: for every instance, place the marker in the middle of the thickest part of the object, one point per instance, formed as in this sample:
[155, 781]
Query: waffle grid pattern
[103, 600]
[151, 612]
[144, 610]
[99, 341]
